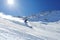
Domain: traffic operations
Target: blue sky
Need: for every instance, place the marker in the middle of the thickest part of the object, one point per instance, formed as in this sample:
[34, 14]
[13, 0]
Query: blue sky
[30, 7]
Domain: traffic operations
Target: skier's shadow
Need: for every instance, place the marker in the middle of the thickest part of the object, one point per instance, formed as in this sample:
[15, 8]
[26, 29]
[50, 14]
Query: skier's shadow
[28, 25]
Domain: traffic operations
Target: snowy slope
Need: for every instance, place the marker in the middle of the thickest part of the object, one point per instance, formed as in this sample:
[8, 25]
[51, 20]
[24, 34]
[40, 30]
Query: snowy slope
[50, 30]
[12, 28]
[12, 31]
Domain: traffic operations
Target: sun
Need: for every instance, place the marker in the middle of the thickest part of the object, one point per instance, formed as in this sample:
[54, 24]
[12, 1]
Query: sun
[10, 2]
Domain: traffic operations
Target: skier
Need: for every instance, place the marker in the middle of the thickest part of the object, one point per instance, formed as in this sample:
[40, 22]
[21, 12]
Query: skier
[26, 22]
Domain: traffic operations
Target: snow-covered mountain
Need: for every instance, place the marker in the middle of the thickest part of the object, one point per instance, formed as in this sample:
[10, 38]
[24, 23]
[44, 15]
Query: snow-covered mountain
[46, 16]
[13, 28]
